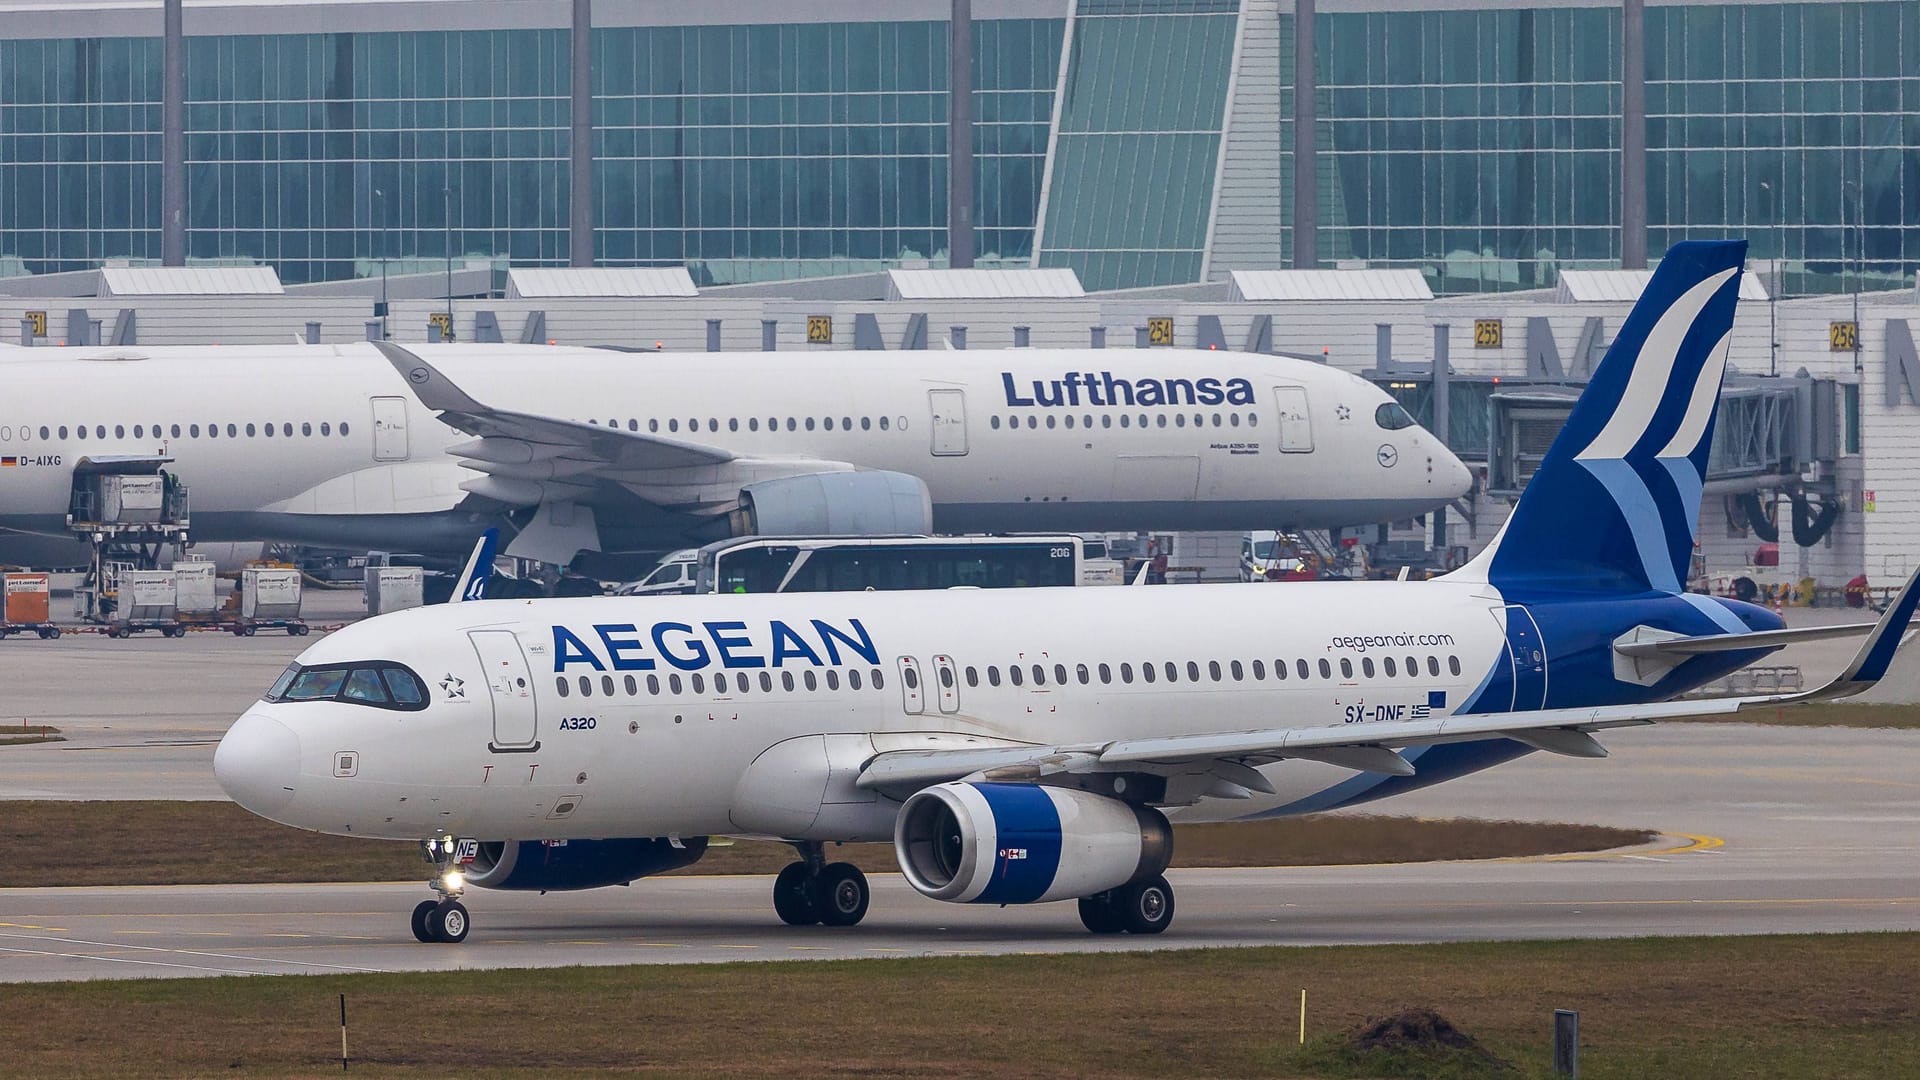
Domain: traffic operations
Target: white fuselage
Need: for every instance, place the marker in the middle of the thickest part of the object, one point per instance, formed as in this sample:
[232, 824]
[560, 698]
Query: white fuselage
[698, 742]
[327, 444]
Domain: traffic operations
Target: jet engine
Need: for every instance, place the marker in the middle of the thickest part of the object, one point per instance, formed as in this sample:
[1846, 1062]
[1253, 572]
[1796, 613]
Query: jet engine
[565, 866]
[992, 843]
[835, 504]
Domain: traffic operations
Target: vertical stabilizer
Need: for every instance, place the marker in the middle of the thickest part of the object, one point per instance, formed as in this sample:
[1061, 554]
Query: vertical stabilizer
[1615, 502]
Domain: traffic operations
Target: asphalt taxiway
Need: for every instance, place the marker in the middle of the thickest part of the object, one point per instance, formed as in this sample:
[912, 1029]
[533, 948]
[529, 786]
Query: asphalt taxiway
[1769, 830]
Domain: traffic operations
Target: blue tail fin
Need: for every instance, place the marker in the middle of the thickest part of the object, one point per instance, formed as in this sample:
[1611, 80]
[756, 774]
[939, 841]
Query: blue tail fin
[1614, 504]
[479, 569]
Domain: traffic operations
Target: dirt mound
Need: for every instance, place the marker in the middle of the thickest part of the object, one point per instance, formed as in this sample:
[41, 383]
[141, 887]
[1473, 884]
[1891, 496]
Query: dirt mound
[1421, 1031]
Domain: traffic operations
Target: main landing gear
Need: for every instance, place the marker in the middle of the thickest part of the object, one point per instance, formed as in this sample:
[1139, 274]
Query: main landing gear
[814, 890]
[443, 920]
[1138, 907]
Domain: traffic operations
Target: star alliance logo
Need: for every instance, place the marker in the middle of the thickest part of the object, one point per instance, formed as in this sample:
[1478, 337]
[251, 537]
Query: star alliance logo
[1343, 412]
[455, 686]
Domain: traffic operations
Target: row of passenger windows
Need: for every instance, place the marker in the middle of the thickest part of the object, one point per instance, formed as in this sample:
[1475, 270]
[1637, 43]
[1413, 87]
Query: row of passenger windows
[673, 425]
[742, 684]
[1018, 675]
[175, 431]
[1214, 671]
[1231, 419]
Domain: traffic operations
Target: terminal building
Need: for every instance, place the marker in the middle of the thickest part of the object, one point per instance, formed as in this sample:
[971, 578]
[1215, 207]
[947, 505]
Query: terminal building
[1455, 197]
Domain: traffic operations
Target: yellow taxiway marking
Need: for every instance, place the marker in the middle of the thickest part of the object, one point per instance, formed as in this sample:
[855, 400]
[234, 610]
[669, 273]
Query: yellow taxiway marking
[736, 946]
[1695, 842]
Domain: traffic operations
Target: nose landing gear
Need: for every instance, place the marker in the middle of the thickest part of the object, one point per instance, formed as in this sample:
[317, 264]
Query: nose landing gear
[443, 920]
[815, 891]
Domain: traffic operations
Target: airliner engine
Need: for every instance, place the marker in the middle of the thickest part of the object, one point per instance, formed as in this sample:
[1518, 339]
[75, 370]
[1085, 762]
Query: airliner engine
[992, 843]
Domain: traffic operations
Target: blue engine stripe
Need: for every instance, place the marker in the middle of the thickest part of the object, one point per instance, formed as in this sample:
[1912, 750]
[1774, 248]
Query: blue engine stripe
[1027, 833]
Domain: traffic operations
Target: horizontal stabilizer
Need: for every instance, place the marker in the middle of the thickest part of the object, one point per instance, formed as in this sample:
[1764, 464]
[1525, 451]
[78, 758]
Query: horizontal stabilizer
[1758, 639]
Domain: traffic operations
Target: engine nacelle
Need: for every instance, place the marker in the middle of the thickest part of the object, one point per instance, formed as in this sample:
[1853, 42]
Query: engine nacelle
[527, 865]
[835, 504]
[985, 843]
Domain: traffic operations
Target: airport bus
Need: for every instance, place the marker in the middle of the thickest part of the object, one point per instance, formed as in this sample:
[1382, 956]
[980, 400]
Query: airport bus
[768, 564]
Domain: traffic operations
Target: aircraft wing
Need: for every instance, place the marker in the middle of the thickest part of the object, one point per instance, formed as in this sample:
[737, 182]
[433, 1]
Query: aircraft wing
[1368, 747]
[520, 446]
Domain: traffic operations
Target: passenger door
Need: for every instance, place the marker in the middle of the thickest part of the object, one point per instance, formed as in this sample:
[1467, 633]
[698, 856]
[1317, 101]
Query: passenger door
[1296, 422]
[389, 429]
[949, 408]
[509, 689]
[1528, 654]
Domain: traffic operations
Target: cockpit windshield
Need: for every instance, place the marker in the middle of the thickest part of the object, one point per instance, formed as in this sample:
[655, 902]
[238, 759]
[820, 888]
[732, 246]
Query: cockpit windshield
[382, 684]
[1393, 416]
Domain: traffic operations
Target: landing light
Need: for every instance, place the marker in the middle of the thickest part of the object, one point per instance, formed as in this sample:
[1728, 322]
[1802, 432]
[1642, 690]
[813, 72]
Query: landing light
[454, 880]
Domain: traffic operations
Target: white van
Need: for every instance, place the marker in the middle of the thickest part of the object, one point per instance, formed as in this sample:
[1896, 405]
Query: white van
[677, 573]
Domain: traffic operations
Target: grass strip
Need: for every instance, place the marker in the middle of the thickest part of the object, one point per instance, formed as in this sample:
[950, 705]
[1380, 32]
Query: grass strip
[205, 843]
[1826, 1006]
[1904, 717]
[25, 734]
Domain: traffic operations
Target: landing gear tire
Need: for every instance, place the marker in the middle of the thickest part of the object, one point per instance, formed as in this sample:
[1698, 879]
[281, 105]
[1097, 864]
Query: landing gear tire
[840, 894]
[793, 896]
[447, 922]
[1144, 907]
[421, 913]
[1099, 915]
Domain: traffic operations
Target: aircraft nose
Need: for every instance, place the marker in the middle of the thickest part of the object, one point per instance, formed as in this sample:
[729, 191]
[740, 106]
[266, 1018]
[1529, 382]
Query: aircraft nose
[258, 763]
[1451, 475]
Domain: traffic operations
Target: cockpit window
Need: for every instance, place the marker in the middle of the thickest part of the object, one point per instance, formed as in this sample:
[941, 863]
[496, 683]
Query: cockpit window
[364, 686]
[1393, 416]
[382, 684]
[404, 687]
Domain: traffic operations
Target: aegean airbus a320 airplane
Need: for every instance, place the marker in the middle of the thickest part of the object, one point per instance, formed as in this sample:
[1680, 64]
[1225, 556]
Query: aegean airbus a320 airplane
[1024, 746]
[572, 450]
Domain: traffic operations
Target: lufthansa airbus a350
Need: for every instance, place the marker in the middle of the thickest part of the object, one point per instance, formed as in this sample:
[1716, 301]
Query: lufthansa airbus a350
[1024, 746]
[587, 450]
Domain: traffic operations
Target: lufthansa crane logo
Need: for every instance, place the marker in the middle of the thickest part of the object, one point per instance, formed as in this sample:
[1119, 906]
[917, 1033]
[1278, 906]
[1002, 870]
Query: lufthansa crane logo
[1387, 456]
[419, 375]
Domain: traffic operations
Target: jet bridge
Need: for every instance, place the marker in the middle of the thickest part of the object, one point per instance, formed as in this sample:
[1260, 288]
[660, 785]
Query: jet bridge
[1770, 434]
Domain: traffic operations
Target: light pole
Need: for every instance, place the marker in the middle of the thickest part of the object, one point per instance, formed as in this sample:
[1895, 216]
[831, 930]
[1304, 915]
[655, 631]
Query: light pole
[1859, 253]
[446, 196]
[380, 211]
[1773, 287]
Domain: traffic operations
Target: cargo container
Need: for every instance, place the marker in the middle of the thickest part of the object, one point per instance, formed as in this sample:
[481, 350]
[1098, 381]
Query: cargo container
[196, 592]
[394, 588]
[26, 605]
[269, 597]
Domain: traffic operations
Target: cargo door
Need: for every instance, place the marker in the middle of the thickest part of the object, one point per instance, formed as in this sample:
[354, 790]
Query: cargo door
[389, 429]
[510, 689]
[949, 409]
[1296, 423]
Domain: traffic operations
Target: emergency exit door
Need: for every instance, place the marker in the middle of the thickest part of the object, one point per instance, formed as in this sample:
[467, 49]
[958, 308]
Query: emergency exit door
[949, 408]
[1296, 423]
[389, 429]
[509, 690]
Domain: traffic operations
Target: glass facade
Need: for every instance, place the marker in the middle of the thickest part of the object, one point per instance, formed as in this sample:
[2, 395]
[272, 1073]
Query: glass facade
[1478, 141]
[761, 152]
[1794, 125]
[323, 153]
[1139, 140]
[79, 151]
[1482, 146]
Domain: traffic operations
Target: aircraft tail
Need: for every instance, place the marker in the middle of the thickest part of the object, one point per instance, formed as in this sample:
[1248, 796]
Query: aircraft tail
[1615, 503]
[478, 571]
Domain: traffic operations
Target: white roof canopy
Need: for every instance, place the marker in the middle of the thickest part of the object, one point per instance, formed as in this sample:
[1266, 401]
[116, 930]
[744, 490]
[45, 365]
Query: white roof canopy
[527, 282]
[1390, 283]
[1625, 286]
[1028, 284]
[190, 281]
